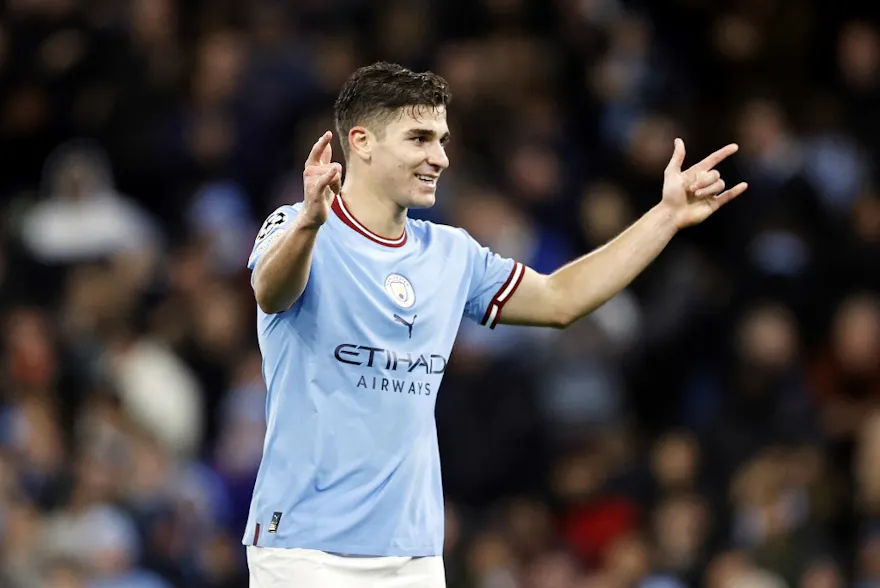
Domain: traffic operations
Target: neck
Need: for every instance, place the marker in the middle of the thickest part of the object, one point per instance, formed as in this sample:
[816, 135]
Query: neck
[372, 209]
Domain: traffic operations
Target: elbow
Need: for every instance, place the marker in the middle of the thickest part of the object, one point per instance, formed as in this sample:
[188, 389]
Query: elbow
[267, 307]
[566, 317]
[562, 320]
[272, 307]
[266, 303]
[272, 296]
[561, 315]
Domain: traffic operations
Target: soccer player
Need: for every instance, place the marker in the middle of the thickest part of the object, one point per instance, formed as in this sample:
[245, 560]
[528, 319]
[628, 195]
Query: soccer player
[358, 309]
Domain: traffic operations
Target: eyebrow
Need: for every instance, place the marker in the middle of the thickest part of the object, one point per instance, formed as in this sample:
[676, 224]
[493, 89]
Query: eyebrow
[420, 132]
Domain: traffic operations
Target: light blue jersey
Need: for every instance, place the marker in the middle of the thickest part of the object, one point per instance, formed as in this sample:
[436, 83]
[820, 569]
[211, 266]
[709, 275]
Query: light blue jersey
[351, 463]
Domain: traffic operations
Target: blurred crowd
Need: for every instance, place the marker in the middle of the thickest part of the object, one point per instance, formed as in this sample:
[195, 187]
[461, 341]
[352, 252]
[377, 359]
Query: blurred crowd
[714, 425]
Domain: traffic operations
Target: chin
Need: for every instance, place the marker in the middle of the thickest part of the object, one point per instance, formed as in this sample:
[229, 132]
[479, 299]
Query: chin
[416, 201]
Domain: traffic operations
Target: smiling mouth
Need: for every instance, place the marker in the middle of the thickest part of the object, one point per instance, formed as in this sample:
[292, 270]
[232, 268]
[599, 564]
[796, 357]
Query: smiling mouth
[427, 180]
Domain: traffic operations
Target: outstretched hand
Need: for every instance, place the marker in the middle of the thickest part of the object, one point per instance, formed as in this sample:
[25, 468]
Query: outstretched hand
[321, 181]
[694, 194]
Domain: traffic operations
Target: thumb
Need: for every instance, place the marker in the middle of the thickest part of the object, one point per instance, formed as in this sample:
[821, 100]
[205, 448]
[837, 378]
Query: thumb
[677, 157]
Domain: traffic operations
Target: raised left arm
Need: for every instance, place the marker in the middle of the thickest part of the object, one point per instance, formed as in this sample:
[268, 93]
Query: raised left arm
[580, 287]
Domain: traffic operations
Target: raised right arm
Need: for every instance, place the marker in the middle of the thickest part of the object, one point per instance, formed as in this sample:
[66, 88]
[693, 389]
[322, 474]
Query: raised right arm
[281, 269]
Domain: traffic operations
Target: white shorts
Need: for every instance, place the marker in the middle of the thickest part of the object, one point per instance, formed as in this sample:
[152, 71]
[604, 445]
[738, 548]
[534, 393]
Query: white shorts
[271, 567]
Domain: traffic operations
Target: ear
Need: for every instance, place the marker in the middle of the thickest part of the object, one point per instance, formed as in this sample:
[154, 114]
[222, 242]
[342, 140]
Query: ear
[360, 142]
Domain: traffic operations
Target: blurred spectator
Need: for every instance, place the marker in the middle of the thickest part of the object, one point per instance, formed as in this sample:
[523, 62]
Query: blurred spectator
[83, 218]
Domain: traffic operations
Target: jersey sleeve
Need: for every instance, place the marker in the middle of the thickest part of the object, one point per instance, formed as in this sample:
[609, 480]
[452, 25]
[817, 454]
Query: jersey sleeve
[493, 280]
[273, 228]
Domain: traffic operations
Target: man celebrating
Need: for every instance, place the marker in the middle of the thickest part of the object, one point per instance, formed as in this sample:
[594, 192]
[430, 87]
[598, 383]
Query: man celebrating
[359, 307]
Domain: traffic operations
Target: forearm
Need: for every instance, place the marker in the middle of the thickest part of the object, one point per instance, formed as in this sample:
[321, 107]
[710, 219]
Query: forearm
[588, 282]
[280, 277]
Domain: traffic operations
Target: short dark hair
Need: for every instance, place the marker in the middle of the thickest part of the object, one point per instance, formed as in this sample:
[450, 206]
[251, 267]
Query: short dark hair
[378, 91]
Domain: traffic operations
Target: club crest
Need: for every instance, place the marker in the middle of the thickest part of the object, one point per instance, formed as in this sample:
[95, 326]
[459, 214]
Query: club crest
[400, 290]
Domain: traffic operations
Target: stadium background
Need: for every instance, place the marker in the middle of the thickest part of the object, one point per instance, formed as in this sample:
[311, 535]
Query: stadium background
[714, 425]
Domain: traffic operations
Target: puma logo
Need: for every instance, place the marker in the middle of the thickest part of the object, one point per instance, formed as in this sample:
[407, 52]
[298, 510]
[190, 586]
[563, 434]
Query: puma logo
[408, 325]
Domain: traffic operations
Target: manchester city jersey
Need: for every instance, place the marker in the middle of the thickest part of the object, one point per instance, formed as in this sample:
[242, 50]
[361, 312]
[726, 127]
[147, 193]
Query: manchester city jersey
[350, 461]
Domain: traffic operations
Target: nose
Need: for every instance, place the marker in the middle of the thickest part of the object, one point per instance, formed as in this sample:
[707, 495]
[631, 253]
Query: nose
[437, 157]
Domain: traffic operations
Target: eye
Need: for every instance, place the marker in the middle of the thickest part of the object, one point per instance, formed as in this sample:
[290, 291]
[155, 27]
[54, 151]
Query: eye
[420, 140]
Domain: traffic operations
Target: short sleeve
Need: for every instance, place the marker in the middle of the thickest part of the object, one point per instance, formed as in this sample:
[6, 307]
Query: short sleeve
[273, 228]
[493, 280]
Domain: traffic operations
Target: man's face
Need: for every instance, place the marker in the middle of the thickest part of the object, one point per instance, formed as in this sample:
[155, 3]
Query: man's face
[408, 157]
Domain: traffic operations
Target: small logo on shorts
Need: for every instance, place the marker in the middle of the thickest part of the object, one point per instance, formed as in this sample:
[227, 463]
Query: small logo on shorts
[400, 291]
[276, 519]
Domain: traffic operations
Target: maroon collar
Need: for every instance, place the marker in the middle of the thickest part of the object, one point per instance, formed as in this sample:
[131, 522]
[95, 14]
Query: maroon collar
[345, 216]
